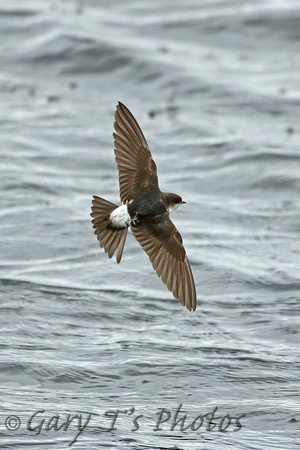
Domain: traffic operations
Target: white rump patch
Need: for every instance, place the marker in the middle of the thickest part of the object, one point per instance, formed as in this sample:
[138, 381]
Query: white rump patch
[120, 217]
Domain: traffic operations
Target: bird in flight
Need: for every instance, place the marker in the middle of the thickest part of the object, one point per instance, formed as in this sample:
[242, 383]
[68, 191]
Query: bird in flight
[145, 209]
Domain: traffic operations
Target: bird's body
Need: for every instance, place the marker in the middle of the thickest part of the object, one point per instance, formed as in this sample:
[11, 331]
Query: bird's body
[145, 209]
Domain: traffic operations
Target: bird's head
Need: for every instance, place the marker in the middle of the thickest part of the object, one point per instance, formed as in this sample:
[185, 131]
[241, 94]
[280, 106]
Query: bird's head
[173, 201]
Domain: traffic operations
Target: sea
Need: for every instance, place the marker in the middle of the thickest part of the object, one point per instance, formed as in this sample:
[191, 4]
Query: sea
[99, 355]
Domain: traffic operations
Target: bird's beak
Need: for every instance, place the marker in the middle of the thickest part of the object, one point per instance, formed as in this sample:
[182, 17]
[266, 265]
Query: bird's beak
[183, 203]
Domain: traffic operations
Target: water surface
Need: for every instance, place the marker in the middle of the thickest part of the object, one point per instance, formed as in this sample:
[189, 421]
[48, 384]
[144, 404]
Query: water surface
[215, 87]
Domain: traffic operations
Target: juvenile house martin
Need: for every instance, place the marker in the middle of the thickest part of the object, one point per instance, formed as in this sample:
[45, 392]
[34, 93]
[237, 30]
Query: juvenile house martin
[145, 209]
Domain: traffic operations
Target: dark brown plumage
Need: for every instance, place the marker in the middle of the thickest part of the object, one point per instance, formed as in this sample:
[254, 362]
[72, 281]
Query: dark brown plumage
[146, 209]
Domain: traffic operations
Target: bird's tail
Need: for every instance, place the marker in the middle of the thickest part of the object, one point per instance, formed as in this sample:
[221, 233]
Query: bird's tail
[110, 238]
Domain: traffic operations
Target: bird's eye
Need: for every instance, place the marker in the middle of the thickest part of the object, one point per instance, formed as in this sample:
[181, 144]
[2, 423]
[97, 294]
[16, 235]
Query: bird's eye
[177, 200]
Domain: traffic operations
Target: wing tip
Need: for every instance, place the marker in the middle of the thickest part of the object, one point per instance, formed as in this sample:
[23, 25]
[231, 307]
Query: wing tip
[121, 107]
[193, 306]
[189, 303]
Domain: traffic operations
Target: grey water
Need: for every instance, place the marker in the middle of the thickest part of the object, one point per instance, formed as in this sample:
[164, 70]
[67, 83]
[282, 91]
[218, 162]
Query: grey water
[100, 355]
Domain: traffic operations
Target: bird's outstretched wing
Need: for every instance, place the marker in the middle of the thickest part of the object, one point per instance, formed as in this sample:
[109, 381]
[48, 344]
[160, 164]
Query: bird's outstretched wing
[137, 170]
[163, 244]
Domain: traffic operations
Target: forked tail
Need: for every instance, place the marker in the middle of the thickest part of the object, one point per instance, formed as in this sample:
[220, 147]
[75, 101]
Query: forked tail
[110, 238]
